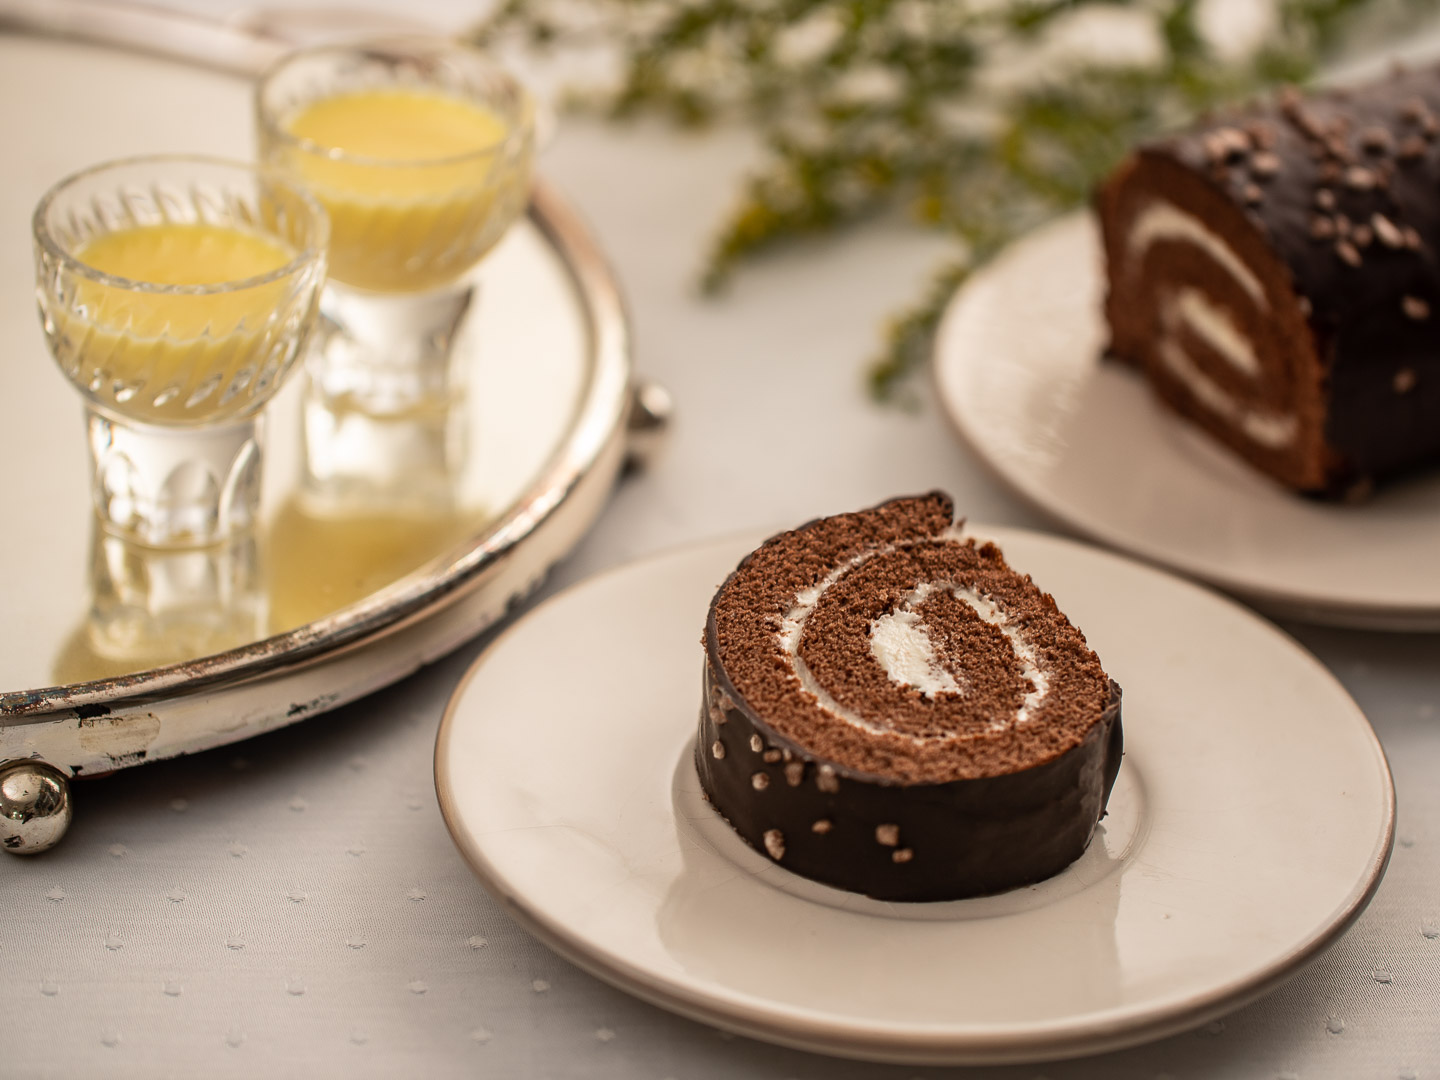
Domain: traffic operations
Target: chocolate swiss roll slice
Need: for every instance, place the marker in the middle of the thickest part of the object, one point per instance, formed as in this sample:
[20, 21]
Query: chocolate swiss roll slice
[889, 708]
[1274, 274]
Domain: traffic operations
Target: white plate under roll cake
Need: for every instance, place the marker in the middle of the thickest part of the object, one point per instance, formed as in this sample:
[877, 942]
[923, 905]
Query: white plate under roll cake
[1274, 273]
[891, 709]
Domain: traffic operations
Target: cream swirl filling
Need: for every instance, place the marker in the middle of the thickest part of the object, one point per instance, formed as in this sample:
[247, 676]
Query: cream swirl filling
[1270, 429]
[793, 626]
[901, 644]
[1215, 327]
[1188, 306]
[1161, 220]
[1031, 670]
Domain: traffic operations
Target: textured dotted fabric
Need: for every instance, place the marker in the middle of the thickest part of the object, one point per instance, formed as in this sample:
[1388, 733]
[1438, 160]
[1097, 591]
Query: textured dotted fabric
[293, 907]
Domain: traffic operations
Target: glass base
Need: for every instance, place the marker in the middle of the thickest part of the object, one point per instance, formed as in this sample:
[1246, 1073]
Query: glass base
[175, 486]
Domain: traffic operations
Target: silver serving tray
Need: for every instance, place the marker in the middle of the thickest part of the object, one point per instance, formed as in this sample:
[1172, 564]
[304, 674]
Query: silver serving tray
[553, 390]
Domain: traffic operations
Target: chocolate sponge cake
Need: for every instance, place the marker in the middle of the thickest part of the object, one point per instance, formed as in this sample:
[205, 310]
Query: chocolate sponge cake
[890, 709]
[1274, 273]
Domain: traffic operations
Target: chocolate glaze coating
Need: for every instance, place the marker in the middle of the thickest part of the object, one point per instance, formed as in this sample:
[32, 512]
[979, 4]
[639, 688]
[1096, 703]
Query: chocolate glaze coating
[1344, 187]
[967, 837]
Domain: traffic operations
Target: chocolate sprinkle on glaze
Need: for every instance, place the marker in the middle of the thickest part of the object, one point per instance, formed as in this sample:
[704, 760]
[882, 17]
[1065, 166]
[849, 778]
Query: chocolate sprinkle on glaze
[1386, 230]
[1265, 165]
[997, 782]
[775, 844]
[1359, 178]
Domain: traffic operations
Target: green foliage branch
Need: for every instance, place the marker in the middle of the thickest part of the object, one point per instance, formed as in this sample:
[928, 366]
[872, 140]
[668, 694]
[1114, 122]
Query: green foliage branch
[933, 105]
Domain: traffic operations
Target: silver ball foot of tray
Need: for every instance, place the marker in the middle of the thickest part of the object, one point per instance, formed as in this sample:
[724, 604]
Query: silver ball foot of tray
[646, 430]
[35, 807]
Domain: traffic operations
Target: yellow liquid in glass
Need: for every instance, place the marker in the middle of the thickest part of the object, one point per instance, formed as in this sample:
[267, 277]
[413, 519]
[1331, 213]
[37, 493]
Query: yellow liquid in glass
[413, 203]
[175, 358]
[184, 254]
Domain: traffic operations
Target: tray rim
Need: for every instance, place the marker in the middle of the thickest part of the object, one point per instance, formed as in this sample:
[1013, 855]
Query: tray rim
[601, 412]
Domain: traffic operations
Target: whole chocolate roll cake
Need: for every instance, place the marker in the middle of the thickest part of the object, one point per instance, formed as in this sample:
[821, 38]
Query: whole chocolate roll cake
[1274, 273]
[890, 709]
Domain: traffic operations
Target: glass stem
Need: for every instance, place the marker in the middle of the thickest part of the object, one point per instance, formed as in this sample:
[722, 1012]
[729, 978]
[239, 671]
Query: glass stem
[175, 487]
[388, 354]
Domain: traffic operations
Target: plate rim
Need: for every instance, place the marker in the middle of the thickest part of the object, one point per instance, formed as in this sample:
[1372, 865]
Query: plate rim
[1280, 602]
[917, 1045]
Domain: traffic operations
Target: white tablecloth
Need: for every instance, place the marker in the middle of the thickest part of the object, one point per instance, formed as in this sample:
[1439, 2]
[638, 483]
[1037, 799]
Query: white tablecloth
[293, 906]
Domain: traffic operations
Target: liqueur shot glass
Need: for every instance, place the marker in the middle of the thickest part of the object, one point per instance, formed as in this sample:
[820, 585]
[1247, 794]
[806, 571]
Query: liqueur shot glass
[420, 150]
[176, 293]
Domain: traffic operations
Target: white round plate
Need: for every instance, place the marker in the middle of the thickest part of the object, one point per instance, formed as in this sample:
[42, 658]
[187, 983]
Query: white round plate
[1251, 823]
[1019, 370]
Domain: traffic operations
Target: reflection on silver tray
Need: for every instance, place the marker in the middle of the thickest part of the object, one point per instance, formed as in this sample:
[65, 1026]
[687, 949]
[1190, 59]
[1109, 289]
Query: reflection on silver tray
[346, 600]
